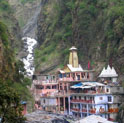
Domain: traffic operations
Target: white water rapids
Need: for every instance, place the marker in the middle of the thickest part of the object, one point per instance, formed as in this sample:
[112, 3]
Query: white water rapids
[29, 44]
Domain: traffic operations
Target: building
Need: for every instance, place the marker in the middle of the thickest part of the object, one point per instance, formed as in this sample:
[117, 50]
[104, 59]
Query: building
[108, 75]
[74, 91]
[44, 89]
[99, 98]
[72, 74]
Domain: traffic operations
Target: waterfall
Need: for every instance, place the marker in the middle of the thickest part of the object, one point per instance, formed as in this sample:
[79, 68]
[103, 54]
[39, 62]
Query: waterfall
[29, 35]
[29, 60]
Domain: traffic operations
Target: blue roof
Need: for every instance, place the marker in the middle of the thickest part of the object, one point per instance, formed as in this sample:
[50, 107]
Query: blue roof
[87, 85]
[23, 102]
[79, 84]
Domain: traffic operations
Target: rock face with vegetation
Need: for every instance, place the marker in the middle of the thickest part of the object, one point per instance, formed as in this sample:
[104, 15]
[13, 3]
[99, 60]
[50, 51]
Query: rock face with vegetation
[95, 27]
[7, 16]
[24, 10]
[13, 84]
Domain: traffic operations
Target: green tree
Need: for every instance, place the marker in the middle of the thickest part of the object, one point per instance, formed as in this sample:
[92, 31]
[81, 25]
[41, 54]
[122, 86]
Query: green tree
[120, 116]
[10, 107]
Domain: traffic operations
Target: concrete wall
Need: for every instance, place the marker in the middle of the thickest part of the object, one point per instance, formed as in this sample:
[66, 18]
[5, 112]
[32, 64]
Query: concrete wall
[99, 99]
[116, 90]
[48, 101]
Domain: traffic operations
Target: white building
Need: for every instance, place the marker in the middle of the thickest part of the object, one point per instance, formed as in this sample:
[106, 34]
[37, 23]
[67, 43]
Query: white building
[109, 74]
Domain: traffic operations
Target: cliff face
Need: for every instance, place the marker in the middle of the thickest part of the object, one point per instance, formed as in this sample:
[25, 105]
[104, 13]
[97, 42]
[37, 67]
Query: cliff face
[7, 59]
[95, 27]
[7, 16]
[11, 69]
[24, 9]
[26, 12]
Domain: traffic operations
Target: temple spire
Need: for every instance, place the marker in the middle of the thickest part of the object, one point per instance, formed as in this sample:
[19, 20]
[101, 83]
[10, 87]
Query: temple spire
[73, 58]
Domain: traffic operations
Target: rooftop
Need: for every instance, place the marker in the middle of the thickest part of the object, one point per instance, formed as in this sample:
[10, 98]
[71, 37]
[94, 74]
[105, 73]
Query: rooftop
[73, 48]
[73, 69]
[109, 72]
[87, 85]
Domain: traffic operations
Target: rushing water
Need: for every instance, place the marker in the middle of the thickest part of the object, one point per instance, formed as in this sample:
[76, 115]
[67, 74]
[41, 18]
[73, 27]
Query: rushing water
[29, 33]
[29, 44]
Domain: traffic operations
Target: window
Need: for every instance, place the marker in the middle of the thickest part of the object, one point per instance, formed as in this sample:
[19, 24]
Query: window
[107, 90]
[78, 77]
[75, 97]
[88, 75]
[54, 87]
[47, 77]
[47, 87]
[68, 75]
[118, 88]
[91, 107]
[90, 98]
[44, 101]
[109, 99]
[82, 75]
[79, 97]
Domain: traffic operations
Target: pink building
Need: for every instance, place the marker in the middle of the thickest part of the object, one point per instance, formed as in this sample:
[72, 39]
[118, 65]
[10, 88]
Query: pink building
[44, 88]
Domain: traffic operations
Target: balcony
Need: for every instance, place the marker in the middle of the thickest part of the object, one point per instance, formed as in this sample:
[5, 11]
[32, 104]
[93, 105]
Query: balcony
[82, 101]
[92, 111]
[75, 109]
[84, 110]
[74, 79]
[41, 82]
[113, 110]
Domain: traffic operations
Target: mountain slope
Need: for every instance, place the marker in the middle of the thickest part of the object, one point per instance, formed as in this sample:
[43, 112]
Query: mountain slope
[7, 16]
[94, 26]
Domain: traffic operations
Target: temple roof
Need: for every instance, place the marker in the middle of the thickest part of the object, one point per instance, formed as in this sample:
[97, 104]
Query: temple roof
[73, 48]
[75, 69]
[109, 72]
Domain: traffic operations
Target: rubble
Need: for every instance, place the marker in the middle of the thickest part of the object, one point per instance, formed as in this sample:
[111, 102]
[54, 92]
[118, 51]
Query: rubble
[46, 117]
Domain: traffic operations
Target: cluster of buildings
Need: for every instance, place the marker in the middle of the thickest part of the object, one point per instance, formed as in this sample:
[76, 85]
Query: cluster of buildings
[74, 91]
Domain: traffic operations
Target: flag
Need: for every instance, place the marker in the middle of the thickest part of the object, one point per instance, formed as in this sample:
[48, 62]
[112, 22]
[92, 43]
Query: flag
[88, 65]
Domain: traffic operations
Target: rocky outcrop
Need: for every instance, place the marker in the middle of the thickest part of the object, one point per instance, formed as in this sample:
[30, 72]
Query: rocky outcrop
[24, 11]
[7, 17]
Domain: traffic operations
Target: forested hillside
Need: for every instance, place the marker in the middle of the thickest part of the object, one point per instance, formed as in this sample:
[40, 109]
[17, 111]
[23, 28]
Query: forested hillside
[13, 83]
[95, 27]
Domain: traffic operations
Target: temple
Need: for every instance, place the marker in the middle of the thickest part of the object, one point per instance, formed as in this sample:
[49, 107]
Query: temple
[74, 91]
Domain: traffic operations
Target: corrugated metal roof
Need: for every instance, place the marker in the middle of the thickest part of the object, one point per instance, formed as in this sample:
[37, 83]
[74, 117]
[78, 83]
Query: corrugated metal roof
[87, 85]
